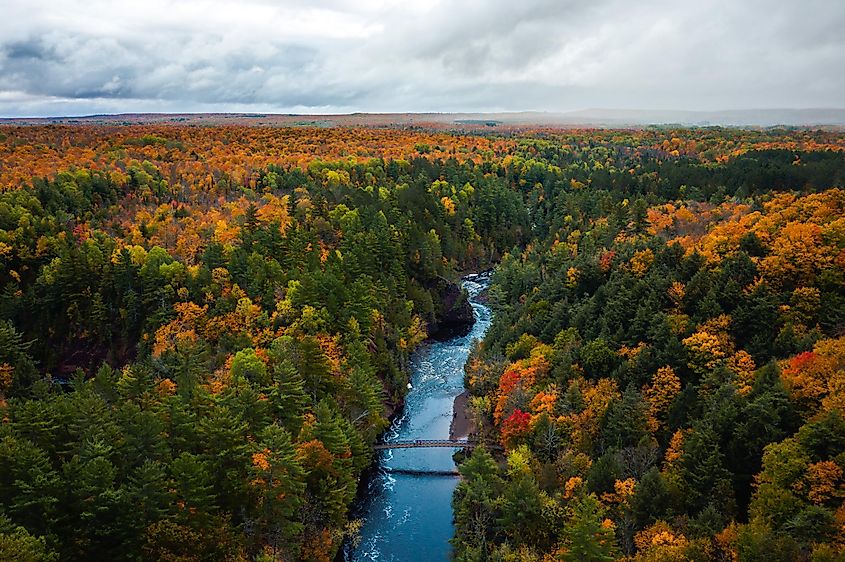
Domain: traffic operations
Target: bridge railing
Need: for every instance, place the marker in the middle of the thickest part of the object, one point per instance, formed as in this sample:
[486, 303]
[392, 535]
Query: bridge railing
[427, 443]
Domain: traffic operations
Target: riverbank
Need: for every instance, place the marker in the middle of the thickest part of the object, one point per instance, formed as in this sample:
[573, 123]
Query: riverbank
[462, 424]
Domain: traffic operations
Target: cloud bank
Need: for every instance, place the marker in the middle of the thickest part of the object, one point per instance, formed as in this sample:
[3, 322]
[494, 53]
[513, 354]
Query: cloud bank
[76, 57]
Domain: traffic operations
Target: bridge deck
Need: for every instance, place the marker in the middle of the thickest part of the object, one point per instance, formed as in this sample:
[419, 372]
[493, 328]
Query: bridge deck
[428, 443]
[420, 472]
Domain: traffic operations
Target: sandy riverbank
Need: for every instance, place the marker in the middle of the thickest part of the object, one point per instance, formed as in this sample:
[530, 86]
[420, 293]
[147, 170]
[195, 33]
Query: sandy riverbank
[461, 425]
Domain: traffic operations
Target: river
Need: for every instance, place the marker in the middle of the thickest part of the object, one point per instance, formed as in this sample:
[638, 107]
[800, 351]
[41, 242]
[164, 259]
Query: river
[408, 517]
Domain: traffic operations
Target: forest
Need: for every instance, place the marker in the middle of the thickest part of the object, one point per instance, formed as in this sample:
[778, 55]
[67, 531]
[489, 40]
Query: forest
[666, 364]
[204, 330]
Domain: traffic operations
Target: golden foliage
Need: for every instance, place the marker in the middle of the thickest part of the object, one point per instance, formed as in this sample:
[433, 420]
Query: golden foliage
[660, 393]
[710, 346]
[259, 459]
[544, 401]
[623, 491]
[641, 262]
[166, 387]
[675, 449]
[660, 543]
[825, 482]
[660, 534]
[743, 365]
[181, 331]
[676, 292]
[570, 489]
[7, 375]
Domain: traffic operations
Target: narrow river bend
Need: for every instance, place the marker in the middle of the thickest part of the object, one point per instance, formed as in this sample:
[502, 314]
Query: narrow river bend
[408, 517]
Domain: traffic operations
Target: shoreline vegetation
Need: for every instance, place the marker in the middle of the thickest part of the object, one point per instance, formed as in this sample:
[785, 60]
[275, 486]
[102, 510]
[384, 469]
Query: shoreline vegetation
[231, 311]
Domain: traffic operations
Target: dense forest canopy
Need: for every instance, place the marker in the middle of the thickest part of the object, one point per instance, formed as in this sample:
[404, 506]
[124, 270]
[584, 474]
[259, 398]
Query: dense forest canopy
[203, 330]
[666, 364]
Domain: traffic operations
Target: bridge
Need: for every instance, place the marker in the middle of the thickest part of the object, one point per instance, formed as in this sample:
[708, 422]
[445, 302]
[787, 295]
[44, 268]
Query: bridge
[429, 443]
[419, 472]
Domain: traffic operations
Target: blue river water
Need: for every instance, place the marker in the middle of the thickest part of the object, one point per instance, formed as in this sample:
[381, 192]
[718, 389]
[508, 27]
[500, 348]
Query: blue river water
[409, 517]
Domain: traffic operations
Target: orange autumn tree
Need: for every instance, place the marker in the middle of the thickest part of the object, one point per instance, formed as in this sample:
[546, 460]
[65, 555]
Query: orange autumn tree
[515, 382]
[816, 379]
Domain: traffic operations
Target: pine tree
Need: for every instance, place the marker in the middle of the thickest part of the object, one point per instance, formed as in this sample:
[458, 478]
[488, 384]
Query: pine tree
[99, 320]
[243, 397]
[337, 487]
[14, 351]
[29, 487]
[587, 536]
[194, 490]
[180, 423]
[223, 434]
[703, 473]
[367, 408]
[626, 421]
[149, 492]
[314, 367]
[288, 397]
[521, 516]
[277, 481]
[96, 507]
[475, 500]
[143, 433]
[651, 498]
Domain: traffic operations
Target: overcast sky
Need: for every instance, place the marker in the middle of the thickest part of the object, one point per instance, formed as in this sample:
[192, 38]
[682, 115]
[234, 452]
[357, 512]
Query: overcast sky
[77, 57]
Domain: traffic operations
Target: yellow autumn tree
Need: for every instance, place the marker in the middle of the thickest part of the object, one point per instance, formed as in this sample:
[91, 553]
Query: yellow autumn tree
[181, 330]
[799, 253]
[825, 482]
[710, 346]
[660, 543]
[641, 262]
[660, 393]
[742, 364]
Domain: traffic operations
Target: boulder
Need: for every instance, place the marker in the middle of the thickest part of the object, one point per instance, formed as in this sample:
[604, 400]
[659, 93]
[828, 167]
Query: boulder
[453, 317]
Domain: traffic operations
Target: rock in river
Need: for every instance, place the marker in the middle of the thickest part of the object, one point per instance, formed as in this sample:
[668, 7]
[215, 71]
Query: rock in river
[454, 316]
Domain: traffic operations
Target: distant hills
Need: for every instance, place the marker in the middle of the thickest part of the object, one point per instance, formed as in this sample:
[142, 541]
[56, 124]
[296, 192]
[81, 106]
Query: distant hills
[644, 117]
[597, 117]
[736, 117]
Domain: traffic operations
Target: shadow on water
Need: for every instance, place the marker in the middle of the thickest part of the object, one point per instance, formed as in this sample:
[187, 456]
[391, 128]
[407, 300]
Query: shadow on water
[407, 508]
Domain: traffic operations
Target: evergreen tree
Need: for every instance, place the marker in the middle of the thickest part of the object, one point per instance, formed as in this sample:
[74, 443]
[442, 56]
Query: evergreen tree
[586, 537]
[703, 473]
[278, 481]
[193, 488]
[288, 397]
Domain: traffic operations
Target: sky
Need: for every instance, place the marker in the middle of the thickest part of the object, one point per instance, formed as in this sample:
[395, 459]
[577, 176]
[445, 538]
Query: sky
[81, 57]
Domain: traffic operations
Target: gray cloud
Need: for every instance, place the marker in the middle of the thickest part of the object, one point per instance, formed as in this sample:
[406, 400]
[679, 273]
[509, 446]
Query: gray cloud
[89, 56]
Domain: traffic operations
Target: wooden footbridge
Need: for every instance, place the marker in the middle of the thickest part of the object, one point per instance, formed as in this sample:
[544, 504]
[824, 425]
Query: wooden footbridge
[430, 443]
